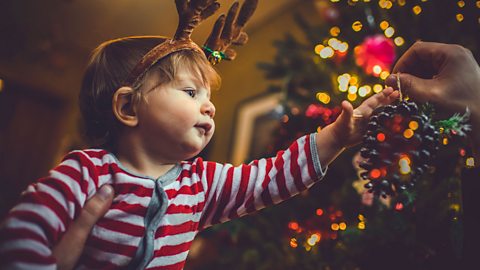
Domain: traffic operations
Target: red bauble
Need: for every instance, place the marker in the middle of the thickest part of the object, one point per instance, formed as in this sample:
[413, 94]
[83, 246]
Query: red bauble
[375, 51]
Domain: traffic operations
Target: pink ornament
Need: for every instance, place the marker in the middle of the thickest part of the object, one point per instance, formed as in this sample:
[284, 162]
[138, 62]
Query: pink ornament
[315, 110]
[375, 54]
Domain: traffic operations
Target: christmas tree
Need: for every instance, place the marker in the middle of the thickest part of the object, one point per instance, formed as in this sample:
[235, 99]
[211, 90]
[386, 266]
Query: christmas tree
[346, 55]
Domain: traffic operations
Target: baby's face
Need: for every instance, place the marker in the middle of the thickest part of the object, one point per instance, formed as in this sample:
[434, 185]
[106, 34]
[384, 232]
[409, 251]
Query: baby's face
[176, 118]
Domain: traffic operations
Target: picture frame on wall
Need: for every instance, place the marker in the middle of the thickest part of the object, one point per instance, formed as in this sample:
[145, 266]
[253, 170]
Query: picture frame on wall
[255, 120]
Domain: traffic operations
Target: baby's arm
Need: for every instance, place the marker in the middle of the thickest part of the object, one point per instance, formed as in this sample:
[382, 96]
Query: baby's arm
[232, 192]
[45, 210]
[350, 126]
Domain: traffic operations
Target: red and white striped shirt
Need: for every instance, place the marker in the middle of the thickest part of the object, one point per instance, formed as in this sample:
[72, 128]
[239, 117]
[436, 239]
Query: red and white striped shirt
[152, 222]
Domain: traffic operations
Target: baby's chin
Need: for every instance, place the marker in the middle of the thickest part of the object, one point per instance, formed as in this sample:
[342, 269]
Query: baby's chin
[195, 153]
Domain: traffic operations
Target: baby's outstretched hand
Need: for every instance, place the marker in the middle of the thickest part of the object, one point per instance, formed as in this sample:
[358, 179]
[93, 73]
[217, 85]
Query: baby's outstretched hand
[351, 124]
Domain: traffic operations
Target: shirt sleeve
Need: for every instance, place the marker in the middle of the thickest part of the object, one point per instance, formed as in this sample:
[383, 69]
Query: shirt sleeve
[232, 192]
[45, 210]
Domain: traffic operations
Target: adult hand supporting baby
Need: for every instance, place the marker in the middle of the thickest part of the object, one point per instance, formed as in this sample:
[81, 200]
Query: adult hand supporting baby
[68, 250]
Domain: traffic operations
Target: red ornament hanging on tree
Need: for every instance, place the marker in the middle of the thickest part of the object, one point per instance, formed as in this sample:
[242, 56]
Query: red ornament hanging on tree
[375, 54]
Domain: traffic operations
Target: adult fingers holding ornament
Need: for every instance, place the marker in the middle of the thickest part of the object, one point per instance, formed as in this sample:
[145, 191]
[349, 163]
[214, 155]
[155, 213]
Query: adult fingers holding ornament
[444, 74]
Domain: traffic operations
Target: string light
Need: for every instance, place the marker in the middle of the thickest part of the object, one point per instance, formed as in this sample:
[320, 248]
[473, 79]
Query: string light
[313, 239]
[380, 137]
[404, 165]
[344, 78]
[1, 85]
[377, 88]
[333, 42]
[413, 125]
[408, 133]
[386, 4]
[318, 48]
[401, 2]
[384, 25]
[377, 70]
[353, 80]
[461, 4]
[364, 90]
[342, 226]
[343, 81]
[293, 225]
[445, 141]
[343, 47]
[470, 162]
[293, 243]
[455, 207]
[335, 227]
[399, 41]
[389, 32]
[375, 173]
[478, 4]
[323, 97]
[335, 31]
[398, 206]
[352, 97]
[319, 212]
[361, 225]
[352, 89]
[384, 74]
[417, 9]
[459, 17]
[357, 26]
[326, 52]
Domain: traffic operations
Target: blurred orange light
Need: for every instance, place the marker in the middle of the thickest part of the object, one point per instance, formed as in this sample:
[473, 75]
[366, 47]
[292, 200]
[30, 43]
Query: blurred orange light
[293, 225]
[375, 173]
[380, 137]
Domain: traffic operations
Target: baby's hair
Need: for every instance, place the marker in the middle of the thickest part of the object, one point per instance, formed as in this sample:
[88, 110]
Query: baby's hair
[110, 64]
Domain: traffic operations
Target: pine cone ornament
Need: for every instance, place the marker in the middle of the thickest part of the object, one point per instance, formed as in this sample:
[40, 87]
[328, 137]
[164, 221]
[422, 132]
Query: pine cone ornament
[398, 146]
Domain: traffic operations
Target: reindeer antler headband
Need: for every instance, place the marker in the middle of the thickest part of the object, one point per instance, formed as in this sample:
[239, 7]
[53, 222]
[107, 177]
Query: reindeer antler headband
[226, 31]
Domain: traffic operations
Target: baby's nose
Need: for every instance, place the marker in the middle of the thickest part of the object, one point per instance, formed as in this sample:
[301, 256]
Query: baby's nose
[209, 109]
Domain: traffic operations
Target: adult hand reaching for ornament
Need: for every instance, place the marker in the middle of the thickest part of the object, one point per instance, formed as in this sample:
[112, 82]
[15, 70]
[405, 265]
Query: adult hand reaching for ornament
[444, 74]
[68, 250]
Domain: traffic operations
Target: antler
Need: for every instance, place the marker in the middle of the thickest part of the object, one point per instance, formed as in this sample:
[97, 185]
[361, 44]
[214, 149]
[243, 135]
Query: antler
[229, 30]
[191, 13]
[226, 31]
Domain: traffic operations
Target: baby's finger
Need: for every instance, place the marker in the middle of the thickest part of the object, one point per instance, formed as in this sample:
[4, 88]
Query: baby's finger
[387, 96]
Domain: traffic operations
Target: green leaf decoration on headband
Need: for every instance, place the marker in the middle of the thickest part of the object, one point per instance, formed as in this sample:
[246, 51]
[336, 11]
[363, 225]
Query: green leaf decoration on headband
[214, 57]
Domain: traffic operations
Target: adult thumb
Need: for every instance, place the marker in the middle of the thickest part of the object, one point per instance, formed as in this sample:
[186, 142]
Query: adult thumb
[71, 245]
[417, 88]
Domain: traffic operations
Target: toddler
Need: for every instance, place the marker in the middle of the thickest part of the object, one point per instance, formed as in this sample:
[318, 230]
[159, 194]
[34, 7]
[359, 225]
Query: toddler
[146, 106]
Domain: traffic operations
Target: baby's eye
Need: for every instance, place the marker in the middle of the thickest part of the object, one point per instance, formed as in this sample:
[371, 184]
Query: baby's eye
[190, 92]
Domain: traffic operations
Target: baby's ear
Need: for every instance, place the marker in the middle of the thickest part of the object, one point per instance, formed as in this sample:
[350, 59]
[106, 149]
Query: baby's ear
[123, 106]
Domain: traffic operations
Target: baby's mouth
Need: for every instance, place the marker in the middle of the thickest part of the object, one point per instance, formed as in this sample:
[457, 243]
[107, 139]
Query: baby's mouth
[204, 128]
